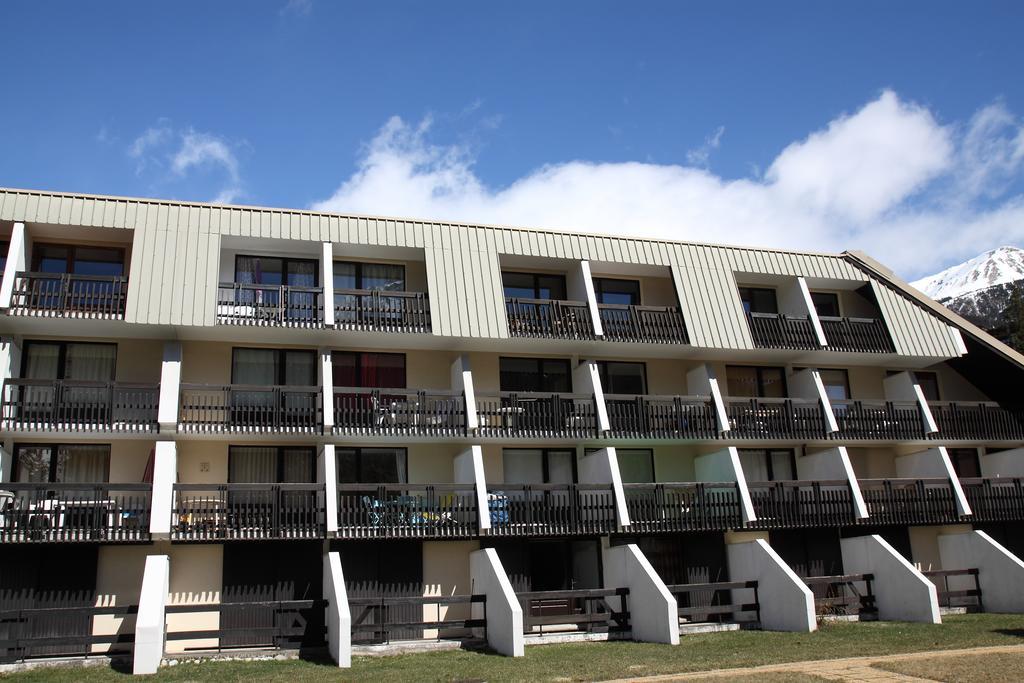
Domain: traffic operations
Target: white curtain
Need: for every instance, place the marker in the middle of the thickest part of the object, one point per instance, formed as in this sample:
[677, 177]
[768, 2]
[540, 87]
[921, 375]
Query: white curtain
[252, 465]
[755, 465]
[523, 466]
[300, 368]
[41, 361]
[94, 362]
[83, 464]
[560, 468]
[298, 466]
[254, 366]
[782, 466]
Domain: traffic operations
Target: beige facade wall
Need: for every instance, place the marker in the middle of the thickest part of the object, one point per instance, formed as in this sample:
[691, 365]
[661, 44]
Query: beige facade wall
[446, 572]
[866, 383]
[128, 460]
[432, 463]
[674, 464]
[955, 387]
[119, 571]
[197, 575]
[873, 463]
[202, 462]
[924, 545]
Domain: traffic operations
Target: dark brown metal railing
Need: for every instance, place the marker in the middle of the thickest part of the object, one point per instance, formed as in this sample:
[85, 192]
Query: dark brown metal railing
[774, 418]
[207, 512]
[67, 405]
[700, 602]
[779, 331]
[381, 311]
[269, 305]
[66, 294]
[995, 499]
[841, 594]
[407, 511]
[673, 507]
[378, 619]
[866, 335]
[280, 624]
[250, 408]
[661, 417]
[643, 324]
[980, 421]
[908, 501]
[399, 412]
[52, 512]
[588, 609]
[796, 504]
[549, 318]
[957, 597]
[878, 420]
[551, 509]
[537, 415]
[64, 631]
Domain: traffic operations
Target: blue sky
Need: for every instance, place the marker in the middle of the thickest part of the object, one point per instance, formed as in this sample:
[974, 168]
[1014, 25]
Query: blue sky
[890, 127]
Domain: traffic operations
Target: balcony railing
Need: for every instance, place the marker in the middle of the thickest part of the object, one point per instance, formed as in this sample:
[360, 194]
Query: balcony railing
[644, 324]
[551, 509]
[661, 417]
[796, 504]
[953, 593]
[279, 624]
[373, 310]
[381, 619]
[407, 511]
[774, 418]
[997, 499]
[778, 331]
[269, 305]
[399, 412]
[595, 609]
[68, 405]
[867, 335]
[537, 415]
[208, 512]
[240, 408]
[69, 295]
[909, 501]
[46, 513]
[847, 594]
[549, 318]
[981, 421]
[694, 506]
[878, 420]
[699, 602]
[65, 631]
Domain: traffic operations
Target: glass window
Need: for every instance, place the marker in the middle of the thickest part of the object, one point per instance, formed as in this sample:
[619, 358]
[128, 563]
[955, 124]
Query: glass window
[535, 374]
[271, 465]
[69, 360]
[60, 258]
[267, 367]
[612, 291]
[965, 462]
[273, 271]
[533, 286]
[63, 463]
[368, 370]
[636, 465]
[826, 304]
[619, 377]
[539, 466]
[382, 277]
[768, 465]
[372, 465]
[929, 383]
[758, 300]
[755, 381]
[837, 384]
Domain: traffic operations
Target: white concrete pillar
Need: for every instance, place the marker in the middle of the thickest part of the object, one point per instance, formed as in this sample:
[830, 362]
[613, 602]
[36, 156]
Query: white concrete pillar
[17, 260]
[902, 593]
[165, 475]
[701, 381]
[1000, 572]
[151, 620]
[580, 287]
[724, 465]
[6, 460]
[462, 380]
[170, 387]
[1009, 463]
[587, 380]
[10, 367]
[338, 616]
[602, 467]
[504, 613]
[812, 312]
[327, 278]
[807, 384]
[832, 463]
[903, 386]
[933, 463]
[469, 469]
[327, 474]
[326, 376]
[786, 602]
[653, 615]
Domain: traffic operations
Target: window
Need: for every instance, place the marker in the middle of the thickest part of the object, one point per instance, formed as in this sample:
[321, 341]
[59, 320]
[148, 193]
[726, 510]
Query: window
[271, 465]
[768, 465]
[539, 466]
[619, 377]
[535, 374]
[78, 260]
[965, 462]
[372, 465]
[755, 382]
[533, 286]
[837, 384]
[62, 463]
[636, 465]
[368, 370]
[826, 304]
[272, 270]
[69, 360]
[758, 300]
[381, 277]
[611, 291]
[929, 383]
[268, 367]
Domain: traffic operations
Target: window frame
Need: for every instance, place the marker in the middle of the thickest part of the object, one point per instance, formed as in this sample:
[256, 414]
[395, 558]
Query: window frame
[539, 360]
[359, 364]
[602, 372]
[750, 288]
[545, 454]
[54, 447]
[935, 377]
[833, 295]
[760, 379]
[70, 259]
[285, 260]
[536, 283]
[359, 272]
[62, 354]
[279, 380]
[767, 454]
[279, 459]
[846, 379]
[358, 450]
[599, 283]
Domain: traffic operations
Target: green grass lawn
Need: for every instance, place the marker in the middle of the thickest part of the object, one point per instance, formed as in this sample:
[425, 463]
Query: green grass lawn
[596, 661]
[987, 668]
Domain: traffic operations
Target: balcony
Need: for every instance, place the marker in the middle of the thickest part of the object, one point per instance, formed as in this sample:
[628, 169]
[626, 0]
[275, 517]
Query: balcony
[674, 507]
[277, 624]
[878, 420]
[909, 501]
[551, 509]
[998, 499]
[661, 417]
[239, 408]
[381, 619]
[537, 415]
[269, 305]
[589, 610]
[48, 513]
[775, 418]
[797, 504]
[549, 319]
[982, 421]
[407, 511]
[371, 310]
[78, 406]
[643, 324]
[65, 295]
[211, 512]
[399, 412]
[780, 331]
[856, 335]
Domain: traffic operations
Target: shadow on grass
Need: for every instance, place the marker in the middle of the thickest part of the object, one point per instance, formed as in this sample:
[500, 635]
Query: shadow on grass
[1015, 632]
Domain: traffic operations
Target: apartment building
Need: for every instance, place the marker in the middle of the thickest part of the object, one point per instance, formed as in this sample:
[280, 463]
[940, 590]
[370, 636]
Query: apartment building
[231, 428]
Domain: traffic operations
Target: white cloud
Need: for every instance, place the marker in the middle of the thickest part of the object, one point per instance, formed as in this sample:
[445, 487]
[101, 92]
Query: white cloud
[699, 157]
[186, 150]
[878, 179]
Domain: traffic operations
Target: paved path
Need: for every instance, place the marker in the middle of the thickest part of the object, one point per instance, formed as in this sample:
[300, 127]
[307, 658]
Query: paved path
[852, 669]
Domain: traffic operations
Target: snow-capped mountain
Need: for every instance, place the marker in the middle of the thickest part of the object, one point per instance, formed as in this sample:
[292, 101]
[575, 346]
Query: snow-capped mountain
[996, 267]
